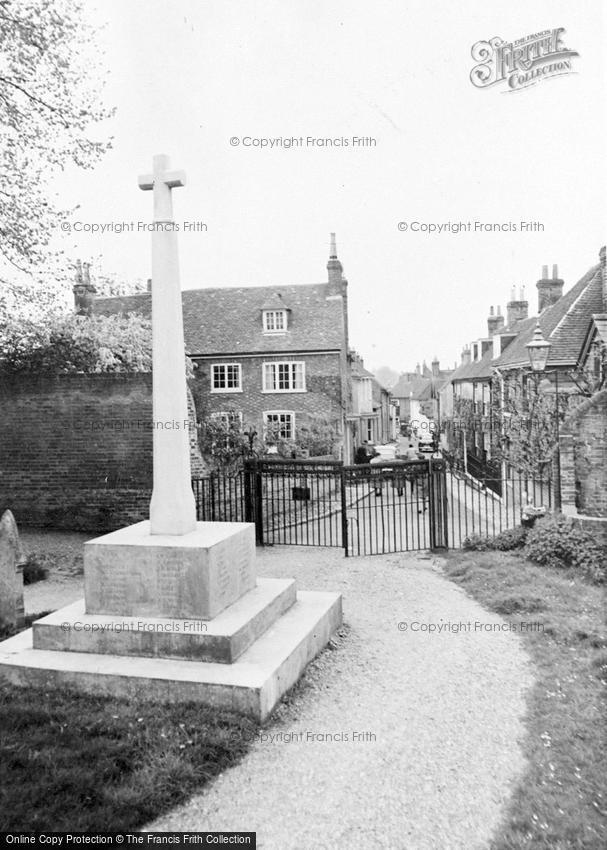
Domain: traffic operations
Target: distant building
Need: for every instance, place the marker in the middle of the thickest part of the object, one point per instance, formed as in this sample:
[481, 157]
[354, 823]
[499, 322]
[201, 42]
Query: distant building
[417, 394]
[371, 417]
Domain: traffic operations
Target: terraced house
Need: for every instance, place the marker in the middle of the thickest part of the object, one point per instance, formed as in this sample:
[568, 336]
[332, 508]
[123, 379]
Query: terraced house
[495, 384]
[273, 357]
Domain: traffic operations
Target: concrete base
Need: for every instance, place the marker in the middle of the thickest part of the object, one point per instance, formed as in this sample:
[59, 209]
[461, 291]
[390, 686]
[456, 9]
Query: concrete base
[221, 640]
[251, 685]
[134, 573]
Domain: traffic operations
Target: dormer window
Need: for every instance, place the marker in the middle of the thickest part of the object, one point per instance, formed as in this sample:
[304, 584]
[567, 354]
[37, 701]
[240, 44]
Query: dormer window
[274, 321]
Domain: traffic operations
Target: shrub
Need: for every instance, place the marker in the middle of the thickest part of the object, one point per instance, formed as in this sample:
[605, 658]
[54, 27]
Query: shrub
[505, 541]
[35, 569]
[476, 542]
[556, 541]
[511, 538]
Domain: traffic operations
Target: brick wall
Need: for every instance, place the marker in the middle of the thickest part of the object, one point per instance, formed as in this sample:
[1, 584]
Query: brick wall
[583, 452]
[76, 450]
[323, 396]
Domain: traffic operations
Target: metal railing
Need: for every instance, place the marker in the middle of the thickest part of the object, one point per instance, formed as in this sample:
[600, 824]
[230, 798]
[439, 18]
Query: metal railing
[369, 508]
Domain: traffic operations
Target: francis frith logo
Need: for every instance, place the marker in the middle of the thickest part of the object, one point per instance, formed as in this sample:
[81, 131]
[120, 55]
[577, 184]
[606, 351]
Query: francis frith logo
[522, 63]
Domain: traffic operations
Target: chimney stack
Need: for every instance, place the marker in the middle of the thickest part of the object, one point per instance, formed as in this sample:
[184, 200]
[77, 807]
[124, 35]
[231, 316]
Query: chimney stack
[83, 289]
[495, 321]
[435, 367]
[466, 356]
[549, 289]
[517, 310]
[334, 267]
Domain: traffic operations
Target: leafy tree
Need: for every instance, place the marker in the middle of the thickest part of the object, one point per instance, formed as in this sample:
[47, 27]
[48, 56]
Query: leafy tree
[76, 344]
[50, 86]
[225, 443]
[387, 376]
[524, 424]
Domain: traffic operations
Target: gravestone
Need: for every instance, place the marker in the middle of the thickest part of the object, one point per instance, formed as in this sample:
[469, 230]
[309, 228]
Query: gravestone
[11, 574]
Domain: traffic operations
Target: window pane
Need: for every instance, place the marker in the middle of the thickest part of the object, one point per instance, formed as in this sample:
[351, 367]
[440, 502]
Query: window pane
[298, 376]
[283, 376]
[269, 375]
[218, 377]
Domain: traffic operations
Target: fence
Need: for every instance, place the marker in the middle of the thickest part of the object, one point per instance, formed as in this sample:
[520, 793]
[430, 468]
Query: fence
[220, 498]
[488, 506]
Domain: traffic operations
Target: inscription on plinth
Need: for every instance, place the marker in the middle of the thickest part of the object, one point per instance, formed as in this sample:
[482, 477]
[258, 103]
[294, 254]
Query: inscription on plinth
[134, 573]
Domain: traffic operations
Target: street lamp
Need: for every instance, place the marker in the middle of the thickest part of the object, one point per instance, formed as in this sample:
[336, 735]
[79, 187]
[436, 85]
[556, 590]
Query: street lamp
[538, 350]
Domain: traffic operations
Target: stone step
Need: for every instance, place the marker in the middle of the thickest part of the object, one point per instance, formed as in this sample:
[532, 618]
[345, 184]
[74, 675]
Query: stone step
[222, 639]
[252, 685]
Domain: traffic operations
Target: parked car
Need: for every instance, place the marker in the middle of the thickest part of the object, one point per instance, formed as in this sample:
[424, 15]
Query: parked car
[385, 453]
[427, 443]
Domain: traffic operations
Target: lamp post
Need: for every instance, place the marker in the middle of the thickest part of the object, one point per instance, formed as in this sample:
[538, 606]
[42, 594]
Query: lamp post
[538, 350]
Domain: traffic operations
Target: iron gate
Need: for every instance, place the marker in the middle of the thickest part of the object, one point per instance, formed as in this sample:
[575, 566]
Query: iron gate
[366, 509]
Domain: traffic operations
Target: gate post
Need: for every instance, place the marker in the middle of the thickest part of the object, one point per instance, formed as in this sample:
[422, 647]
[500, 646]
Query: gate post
[344, 510]
[438, 513]
[431, 505]
[253, 498]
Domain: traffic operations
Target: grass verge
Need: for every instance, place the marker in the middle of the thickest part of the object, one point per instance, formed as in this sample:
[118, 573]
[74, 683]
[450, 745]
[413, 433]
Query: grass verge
[73, 762]
[561, 801]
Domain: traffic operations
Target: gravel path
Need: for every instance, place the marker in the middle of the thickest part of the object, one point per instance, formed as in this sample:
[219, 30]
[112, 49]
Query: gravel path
[440, 717]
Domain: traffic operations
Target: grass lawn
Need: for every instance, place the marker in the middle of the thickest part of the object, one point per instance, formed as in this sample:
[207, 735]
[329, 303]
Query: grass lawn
[80, 763]
[72, 762]
[561, 802]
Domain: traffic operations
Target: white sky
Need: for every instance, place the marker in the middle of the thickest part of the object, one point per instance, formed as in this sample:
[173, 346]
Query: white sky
[187, 75]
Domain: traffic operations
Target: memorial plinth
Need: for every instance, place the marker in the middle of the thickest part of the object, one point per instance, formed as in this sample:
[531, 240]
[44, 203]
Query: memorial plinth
[135, 573]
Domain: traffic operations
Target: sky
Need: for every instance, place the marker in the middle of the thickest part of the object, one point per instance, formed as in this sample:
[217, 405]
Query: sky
[189, 76]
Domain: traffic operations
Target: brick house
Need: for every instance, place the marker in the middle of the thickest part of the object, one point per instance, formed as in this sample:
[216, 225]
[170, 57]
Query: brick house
[272, 356]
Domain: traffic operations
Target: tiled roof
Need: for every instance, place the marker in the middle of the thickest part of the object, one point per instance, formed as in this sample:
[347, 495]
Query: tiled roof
[411, 389]
[229, 321]
[477, 370]
[358, 370]
[564, 324]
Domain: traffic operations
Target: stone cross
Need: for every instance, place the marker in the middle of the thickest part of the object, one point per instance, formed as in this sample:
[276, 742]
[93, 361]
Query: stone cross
[11, 573]
[172, 508]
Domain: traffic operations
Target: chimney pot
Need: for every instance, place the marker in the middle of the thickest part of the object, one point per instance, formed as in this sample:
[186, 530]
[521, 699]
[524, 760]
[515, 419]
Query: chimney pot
[84, 291]
[544, 272]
